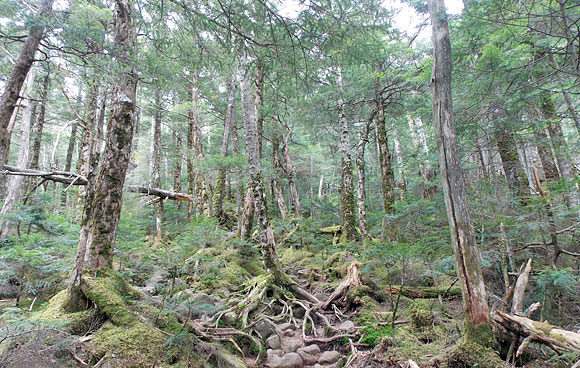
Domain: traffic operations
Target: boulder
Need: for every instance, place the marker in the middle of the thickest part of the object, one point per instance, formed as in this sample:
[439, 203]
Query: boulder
[273, 342]
[290, 360]
[264, 329]
[329, 357]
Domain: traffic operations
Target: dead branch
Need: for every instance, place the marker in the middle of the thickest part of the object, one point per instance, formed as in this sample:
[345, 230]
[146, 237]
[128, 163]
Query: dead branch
[71, 178]
[352, 280]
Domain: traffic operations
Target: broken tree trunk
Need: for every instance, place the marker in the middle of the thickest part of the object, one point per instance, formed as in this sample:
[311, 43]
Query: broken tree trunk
[542, 332]
[351, 281]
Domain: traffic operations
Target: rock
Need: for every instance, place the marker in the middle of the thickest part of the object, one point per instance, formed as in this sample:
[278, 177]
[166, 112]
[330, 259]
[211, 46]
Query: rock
[310, 349]
[329, 357]
[273, 342]
[290, 360]
[308, 359]
[290, 345]
[346, 326]
[277, 352]
[289, 333]
[264, 329]
[286, 326]
[230, 318]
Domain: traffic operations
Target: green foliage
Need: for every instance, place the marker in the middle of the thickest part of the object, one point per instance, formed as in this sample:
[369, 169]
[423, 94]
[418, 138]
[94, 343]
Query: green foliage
[373, 335]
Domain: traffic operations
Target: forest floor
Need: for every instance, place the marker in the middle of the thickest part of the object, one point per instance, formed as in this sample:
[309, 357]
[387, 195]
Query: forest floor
[214, 313]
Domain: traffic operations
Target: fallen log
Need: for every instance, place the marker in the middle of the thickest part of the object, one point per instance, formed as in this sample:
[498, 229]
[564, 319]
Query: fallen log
[533, 331]
[72, 178]
[351, 281]
[425, 292]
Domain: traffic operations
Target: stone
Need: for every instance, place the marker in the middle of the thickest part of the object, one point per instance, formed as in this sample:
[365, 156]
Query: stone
[289, 333]
[273, 342]
[290, 345]
[290, 360]
[286, 326]
[329, 357]
[276, 352]
[308, 359]
[310, 349]
[346, 326]
[264, 329]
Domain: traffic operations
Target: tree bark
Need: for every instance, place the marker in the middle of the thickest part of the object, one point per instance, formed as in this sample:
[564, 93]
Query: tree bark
[14, 83]
[453, 182]
[385, 159]
[291, 172]
[277, 174]
[220, 184]
[16, 185]
[420, 142]
[103, 206]
[347, 185]
[40, 120]
[508, 151]
[156, 182]
[196, 140]
[573, 111]
[361, 188]
[177, 166]
[567, 170]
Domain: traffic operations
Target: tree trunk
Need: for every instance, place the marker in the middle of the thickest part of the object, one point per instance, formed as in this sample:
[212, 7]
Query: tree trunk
[177, 168]
[347, 186]
[545, 154]
[103, 206]
[420, 142]
[453, 182]
[156, 182]
[16, 185]
[277, 174]
[571, 49]
[291, 173]
[385, 159]
[508, 151]
[573, 111]
[360, 188]
[200, 186]
[40, 120]
[220, 184]
[401, 183]
[14, 83]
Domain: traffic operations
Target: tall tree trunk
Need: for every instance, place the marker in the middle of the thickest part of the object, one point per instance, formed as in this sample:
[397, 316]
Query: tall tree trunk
[259, 104]
[573, 111]
[453, 182]
[256, 184]
[201, 186]
[220, 183]
[178, 140]
[250, 121]
[16, 185]
[361, 194]
[14, 83]
[277, 175]
[291, 173]
[40, 120]
[402, 182]
[238, 175]
[508, 151]
[565, 165]
[385, 159]
[156, 182]
[545, 153]
[420, 142]
[103, 206]
[347, 185]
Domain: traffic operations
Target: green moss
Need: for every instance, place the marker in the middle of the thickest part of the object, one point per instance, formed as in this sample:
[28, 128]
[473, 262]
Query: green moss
[373, 335]
[482, 334]
[107, 294]
[54, 312]
[420, 317]
[467, 353]
[132, 346]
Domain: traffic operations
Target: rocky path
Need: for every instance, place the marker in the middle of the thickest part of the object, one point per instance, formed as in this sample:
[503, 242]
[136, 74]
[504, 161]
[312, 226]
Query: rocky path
[287, 349]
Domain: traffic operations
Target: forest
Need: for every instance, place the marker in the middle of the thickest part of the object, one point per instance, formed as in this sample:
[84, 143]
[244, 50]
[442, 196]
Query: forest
[289, 183]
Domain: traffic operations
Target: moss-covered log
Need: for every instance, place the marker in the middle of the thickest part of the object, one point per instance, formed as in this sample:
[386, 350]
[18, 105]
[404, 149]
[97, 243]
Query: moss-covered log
[425, 292]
